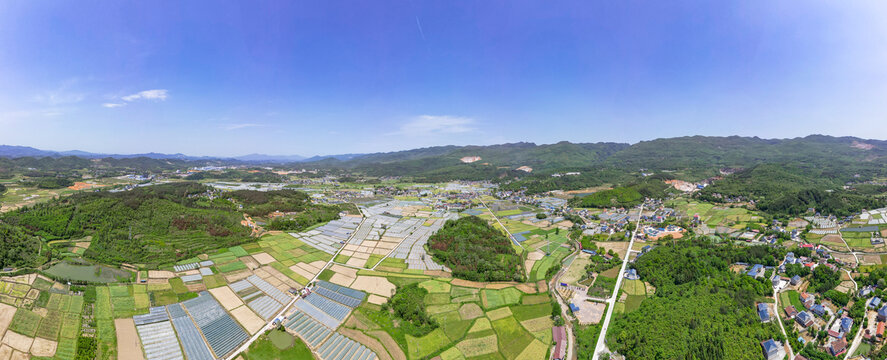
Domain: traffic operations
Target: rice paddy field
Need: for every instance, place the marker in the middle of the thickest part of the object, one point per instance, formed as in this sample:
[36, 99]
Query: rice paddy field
[714, 216]
[475, 320]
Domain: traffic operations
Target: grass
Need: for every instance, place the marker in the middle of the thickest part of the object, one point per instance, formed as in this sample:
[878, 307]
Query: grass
[434, 286]
[542, 266]
[178, 286]
[634, 287]
[633, 302]
[281, 339]
[232, 266]
[480, 324]
[214, 281]
[536, 350]
[535, 299]
[373, 260]
[426, 345]
[512, 337]
[453, 325]
[164, 297]
[41, 284]
[123, 306]
[238, 251]
[527, 312]
[25, 322]
[326, 275]
[795, 299]
[437, 299]
[492, 299]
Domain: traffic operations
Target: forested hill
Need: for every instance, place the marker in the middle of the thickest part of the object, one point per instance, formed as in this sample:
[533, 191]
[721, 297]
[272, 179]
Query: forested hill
[160, 224]
[691, 158]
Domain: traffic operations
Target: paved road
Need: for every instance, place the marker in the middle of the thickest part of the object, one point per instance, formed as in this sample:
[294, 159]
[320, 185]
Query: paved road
[286, 308]
[858, 339]
[513, 240]
[791, 353]
[600, 347]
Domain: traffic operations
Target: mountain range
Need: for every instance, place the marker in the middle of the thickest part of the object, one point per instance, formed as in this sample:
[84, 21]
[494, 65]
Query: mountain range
[658, 154]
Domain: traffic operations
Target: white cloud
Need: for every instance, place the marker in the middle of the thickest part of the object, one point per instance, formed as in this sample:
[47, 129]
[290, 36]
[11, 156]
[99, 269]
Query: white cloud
[241, 126]
[427, 125]
[113, 105]
[156, 94]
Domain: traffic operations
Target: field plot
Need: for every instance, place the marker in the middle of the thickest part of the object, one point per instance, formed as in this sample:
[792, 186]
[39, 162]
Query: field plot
[50, 325]
[512, 337]
[221, 331]
[192, 342]
[25, 322]
[159, 341]
[128, 339]
[307, 328]
[492, 299]
[340, 347]
[426, 345]
[478, 346]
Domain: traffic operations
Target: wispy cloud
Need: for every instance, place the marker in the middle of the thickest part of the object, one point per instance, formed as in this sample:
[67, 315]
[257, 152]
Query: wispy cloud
[65, 93]
[241, 126]
[427, 125]
[156, 94]
[113, 105]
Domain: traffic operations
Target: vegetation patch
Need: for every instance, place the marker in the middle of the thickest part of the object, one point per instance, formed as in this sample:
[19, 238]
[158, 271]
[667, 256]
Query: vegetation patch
[496, 298]
[512, 337]
[476, 251]
[408, 306]
[419, 347]
[25, 322]
[478, 346]
[470, 311]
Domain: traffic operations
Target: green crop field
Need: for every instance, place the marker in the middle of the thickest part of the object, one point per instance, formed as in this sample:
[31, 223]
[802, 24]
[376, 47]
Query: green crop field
[512, 337]
[426, 345]
[66, 349]
[50, 325]
[25, 322]
[527, 312]
[535, 299]
[103, 303]
[233, 266]
[70, 326]
[119, 290]
[634, 287]
[435, 286]
[123, 307]
[496, 298]
[178, 286]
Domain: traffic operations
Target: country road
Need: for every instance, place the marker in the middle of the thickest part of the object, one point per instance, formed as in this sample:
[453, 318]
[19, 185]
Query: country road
[600, 347]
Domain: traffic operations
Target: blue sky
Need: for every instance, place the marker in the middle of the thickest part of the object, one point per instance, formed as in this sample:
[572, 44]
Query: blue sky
[327, 77]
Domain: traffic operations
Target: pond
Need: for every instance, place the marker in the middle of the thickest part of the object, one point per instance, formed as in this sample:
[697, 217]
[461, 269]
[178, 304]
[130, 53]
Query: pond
[88, 272]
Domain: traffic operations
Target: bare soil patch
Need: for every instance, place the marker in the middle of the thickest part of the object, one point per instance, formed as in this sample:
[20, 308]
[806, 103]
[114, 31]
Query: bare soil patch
[43, 347]
[374, 285]
[226, 297]
[128, 339]
[18, 341]
[246, 317]
[263, 258]
[389, 343]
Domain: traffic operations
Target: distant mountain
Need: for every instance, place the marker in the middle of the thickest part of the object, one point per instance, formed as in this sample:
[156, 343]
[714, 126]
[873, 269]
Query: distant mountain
[270, 158]
[22, 151]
